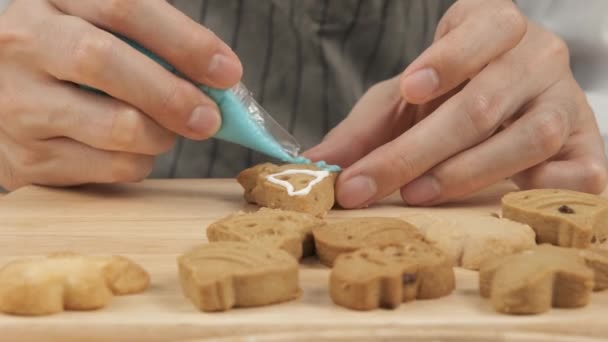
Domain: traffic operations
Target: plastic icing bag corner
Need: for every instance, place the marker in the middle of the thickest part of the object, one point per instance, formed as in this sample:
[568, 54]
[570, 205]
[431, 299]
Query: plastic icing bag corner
[244, 121]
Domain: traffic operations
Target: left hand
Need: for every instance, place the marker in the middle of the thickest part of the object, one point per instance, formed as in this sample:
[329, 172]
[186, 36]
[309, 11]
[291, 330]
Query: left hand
[493, 97]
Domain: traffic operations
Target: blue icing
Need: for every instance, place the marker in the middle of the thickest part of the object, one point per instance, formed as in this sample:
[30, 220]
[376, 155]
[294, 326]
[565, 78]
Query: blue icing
[239, 128]
[320, 164]
[331, 168]
[237, 125]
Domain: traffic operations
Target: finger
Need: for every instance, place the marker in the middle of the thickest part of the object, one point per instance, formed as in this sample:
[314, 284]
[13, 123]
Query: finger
[580, 166]
[64, 162]
[537, 136]
[484, 34]
[170, 34]
[62, 110]
[368, 126]
[87, 55]
[466, 119]
[587, 175]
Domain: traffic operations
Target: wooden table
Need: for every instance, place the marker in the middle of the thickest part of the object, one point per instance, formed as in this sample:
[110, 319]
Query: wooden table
[154, 221]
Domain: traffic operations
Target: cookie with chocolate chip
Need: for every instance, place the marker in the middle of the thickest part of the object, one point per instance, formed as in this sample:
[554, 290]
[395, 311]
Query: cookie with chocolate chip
[389, 275]
[560, 217]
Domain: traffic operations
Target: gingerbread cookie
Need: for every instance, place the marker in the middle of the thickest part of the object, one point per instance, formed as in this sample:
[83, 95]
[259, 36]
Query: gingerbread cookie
[302, 188]
[222, 275]
[288, 230]
[348, 235]
[470, 238]
[386, 276]
[546, 276]
[559, 217]
[597, 259]
[67, 281]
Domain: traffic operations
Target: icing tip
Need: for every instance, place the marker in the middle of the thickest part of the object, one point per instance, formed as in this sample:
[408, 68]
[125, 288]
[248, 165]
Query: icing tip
[320, 164]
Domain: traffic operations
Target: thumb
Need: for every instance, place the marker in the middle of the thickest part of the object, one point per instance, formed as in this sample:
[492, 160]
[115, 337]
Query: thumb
[368, 126]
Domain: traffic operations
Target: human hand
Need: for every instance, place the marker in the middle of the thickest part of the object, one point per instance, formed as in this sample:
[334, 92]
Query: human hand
[493, 97]
[54, 133]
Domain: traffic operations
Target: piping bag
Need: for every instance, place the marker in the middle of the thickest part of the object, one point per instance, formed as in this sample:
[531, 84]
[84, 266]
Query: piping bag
[244, 121]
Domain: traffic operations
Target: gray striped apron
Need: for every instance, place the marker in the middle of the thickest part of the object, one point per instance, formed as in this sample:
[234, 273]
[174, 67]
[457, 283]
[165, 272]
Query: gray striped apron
[306, 61]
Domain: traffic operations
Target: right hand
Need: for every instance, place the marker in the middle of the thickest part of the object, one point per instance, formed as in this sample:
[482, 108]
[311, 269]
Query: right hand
[54, 133]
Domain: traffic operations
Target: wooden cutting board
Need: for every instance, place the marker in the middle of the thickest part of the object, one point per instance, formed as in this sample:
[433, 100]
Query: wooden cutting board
[154, 221]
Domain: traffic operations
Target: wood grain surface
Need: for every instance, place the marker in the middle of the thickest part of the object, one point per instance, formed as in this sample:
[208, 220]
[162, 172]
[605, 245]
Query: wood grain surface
[154, 221]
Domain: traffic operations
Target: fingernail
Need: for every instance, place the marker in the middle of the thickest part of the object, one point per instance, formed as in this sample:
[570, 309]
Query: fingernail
[204, 121]
[421, 84]
[422, 190]
[225, 67]
[356, 191]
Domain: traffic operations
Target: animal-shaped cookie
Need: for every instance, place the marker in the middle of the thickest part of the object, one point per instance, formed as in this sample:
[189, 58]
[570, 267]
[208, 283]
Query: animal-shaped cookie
[348, 235]
[67, 281]
[222, 275]
[546, 276]
[303, 188]
[597, 259]
[288, 230]
[559, 217]
[386, 276]
[470, 238]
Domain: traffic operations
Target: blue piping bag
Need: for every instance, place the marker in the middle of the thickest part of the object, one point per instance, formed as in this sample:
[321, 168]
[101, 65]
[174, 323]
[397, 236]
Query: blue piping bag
[245, 122]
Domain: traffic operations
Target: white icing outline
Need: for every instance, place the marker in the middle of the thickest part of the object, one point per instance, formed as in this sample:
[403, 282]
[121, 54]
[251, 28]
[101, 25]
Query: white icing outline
[319, 176]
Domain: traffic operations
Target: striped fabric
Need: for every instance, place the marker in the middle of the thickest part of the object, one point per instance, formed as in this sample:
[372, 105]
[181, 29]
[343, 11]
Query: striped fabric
[306, 61]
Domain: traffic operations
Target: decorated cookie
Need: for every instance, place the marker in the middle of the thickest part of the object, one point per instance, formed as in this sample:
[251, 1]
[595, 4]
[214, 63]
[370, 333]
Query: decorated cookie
[560, 217]
[288, 230]
[546, 276]
[222, 275]
[348, 235]
[470, 238]
[67, 281]
[386, 276]
[302, 188]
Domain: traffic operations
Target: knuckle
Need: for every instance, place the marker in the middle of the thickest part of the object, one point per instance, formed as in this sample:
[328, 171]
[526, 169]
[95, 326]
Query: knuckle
[595, 176]
[175, 96]
[29, 159]
[126, 127]
[483, 114]
[549, 133]
[90, 53]
[12, 105]
[453, 16]
[201, 43]
[387, 91]
[116, 13]
[401, 166]
[128, 167]
[13, 39]
[511, 20]
[556, 50]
